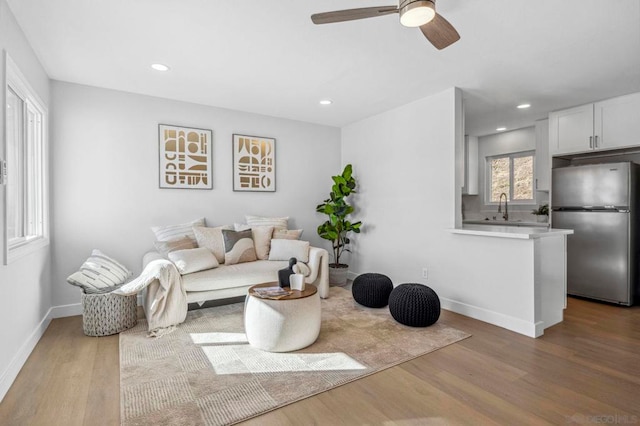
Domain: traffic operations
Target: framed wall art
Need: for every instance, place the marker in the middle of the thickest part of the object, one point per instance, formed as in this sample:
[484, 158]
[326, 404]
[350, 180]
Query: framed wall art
[254, 163]
[185, 157]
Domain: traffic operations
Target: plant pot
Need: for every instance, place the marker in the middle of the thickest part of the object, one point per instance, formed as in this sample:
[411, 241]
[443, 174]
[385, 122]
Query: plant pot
[542, 218]
[338, 274]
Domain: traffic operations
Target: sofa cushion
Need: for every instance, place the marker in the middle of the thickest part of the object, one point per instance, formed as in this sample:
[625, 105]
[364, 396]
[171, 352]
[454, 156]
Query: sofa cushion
[175, 232]
[231, 276]
[211, 238]
[238, 246]
[287, 234]
[276, 222]
[166, 247]
[193, 260]
[286, 249]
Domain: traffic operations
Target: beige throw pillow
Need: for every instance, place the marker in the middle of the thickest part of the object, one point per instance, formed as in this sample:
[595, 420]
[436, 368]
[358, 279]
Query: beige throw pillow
[193, 260]
[286, 249]
[176, 232]
[284, 234]
[211, 238]
[276, 222]
[166, 247]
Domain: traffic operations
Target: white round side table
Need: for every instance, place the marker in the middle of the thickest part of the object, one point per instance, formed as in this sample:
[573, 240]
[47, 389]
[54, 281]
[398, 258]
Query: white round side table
[282, 325]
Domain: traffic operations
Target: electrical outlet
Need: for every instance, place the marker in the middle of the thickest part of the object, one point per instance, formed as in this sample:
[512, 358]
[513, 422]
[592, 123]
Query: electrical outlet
[425, 273]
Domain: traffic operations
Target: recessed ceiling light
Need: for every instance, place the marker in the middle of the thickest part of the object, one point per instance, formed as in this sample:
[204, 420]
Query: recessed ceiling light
[326, 102]
[501, 129]
[160, 67]
[524, 106]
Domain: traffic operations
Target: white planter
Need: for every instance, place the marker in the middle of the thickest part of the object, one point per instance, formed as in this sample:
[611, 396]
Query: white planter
[542, 218]
[338, 276]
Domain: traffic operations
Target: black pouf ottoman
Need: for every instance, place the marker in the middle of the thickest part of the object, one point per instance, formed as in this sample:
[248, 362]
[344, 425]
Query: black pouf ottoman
[372, 290]
[415, 305]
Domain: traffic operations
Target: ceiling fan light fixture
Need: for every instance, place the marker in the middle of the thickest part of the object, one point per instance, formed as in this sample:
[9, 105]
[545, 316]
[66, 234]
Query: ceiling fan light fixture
[417, 13]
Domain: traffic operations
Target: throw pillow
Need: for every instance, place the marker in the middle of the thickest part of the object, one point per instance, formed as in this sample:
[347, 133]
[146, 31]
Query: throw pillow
[193, 260]
[166, 247]
[261, 238]
[276, 222]
[238, 246]
[100, 274]
[286, 249]
[211, 238]
[284, 234]
[175, 232]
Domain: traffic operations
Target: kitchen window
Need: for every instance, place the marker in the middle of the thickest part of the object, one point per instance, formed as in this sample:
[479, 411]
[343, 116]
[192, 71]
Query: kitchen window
[25, 177]
[513, 175]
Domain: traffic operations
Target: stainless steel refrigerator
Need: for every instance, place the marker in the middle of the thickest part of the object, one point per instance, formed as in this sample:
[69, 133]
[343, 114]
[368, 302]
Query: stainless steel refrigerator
[599, 202]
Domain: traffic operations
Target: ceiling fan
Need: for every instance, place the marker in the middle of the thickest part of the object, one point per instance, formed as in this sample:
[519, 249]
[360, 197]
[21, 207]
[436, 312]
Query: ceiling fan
[413, 13]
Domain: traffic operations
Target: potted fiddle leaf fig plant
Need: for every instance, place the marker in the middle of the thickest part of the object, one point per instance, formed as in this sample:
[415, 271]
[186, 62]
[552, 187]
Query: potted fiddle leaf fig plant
[337, 227]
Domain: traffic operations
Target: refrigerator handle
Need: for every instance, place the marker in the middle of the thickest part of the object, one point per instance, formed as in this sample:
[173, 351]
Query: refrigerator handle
[595, 139]
[590, 141]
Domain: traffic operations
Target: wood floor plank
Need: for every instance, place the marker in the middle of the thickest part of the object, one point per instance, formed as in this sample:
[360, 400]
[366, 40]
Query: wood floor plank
[584, 366]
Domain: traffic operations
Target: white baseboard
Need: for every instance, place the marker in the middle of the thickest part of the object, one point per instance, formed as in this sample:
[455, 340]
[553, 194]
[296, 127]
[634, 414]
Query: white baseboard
[351, 275]
[63, 311]
[518, 325]
[9, 375]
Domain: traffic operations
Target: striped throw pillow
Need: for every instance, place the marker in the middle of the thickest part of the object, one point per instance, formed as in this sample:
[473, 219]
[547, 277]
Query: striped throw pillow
[276, 222]
[175, 232]
[100, 274]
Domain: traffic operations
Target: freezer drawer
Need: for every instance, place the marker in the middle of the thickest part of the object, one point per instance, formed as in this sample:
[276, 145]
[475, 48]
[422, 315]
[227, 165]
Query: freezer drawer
[598, 254]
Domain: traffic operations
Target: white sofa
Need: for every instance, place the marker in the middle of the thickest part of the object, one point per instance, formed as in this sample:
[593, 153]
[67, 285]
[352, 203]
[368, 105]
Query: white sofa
[227, 281]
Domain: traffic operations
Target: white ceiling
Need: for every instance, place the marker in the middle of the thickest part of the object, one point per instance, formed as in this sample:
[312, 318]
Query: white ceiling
[267, 57]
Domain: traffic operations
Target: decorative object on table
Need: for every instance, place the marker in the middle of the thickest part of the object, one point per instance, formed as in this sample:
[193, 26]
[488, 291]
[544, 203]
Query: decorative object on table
[542, 213]
[297, 282]
[254, 163]
[372, 290]
[283, 274]
[185, 157]
[337, 228]
[415, 305]
[107, 314]
[272, 292]
[206, 373]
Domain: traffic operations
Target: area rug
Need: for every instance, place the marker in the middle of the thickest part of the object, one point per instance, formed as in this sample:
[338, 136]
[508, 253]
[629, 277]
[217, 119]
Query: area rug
[205, 373]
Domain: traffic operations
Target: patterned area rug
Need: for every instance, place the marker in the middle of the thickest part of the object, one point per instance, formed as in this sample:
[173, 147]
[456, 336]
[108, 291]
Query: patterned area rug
[205, 373]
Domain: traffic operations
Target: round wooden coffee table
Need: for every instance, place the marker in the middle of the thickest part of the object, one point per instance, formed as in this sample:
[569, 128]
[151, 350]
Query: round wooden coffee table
[282, 325]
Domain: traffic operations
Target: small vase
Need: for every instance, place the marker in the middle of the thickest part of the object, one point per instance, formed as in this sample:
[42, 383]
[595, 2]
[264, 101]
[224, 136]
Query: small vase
[542, 218]
[297, 282]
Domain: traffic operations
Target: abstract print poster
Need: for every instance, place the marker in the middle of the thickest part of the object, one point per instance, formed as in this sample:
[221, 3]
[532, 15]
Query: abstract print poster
[254, 167]
[185, 157]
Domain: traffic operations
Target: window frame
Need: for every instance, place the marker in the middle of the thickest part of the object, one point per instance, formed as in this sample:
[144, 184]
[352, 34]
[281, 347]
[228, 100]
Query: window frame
[35, 155]
[511, 156]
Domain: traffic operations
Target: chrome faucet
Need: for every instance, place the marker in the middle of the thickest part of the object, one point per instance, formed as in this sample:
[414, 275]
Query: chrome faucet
[505, 216]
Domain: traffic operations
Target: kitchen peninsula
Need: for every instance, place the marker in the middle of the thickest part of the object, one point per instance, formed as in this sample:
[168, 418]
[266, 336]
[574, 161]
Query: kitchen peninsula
[537, 256]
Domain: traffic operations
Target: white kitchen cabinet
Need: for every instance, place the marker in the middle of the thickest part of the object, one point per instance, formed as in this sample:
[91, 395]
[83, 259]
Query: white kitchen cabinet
[470, 165]
[609, 124]
[543, 172]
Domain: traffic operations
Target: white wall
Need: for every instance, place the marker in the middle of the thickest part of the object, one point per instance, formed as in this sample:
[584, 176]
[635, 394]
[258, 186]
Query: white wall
[407, 163]
[105, 175]
[25, 293]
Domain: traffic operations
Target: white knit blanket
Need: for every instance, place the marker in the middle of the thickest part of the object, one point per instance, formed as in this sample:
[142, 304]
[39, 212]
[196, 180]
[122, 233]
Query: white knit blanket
[165, 302]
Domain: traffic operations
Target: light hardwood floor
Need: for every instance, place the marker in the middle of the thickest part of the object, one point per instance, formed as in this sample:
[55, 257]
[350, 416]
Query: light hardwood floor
[585, 370]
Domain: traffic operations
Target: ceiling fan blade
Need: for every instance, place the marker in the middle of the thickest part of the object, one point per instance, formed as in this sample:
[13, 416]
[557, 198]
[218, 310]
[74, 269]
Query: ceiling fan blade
[352, 14]
[440, 32]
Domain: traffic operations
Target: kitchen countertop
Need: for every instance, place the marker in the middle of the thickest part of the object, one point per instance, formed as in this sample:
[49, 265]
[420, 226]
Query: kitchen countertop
[517, 232]
[506, 223]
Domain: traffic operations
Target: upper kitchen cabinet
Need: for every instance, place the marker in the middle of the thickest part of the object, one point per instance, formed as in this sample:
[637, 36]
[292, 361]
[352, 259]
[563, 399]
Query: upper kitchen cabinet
[610, 124]
[543, 172]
